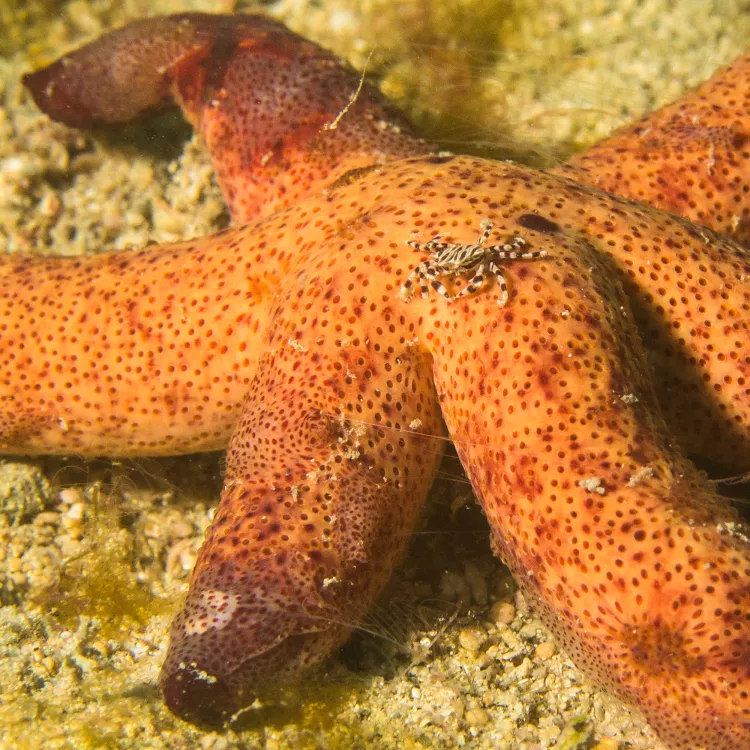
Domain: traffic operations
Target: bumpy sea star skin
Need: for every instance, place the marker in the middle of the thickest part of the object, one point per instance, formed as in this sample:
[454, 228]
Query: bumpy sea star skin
[690, 158]
[642, 574]
[287, 139]
[630, 556]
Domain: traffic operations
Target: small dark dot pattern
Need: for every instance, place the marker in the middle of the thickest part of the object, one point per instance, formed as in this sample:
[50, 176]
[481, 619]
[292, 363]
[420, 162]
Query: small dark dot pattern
[642, 573]
[690, 158]
[326, 472]
[570, 408]
[281, 116]
[146, 352]
[690, 292]
[543, 397]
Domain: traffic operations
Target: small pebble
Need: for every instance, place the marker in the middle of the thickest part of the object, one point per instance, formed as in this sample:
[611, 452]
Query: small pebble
[503, 613]
[152, 529]
[544, 651]
[476, 717]
[72, 519]
[606, 744]
[70, 495]
[49, 664]
[180, 528]
[47, 517]
[472, 638]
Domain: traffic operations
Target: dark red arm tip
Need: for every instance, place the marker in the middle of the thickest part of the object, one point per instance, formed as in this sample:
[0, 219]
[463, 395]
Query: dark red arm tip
[116, 78]
[128, 72]
[198, 697]
[282, 117]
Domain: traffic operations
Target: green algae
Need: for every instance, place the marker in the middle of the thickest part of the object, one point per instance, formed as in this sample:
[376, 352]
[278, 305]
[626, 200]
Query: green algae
[100, 581]
[575, 735]
[26, 24]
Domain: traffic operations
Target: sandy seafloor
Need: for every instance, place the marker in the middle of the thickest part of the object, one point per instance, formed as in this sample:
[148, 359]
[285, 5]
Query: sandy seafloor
[95, 555]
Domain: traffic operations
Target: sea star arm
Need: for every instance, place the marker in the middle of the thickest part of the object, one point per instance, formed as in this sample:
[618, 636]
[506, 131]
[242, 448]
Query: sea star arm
[146, 352]
[629, 555]
[622, 547]
[262, 97]
[691, 157]
[281, 116]
[327, 470]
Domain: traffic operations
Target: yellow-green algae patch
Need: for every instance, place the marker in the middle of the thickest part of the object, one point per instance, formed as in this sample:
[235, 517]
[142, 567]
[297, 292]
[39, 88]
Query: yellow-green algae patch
[101, 582]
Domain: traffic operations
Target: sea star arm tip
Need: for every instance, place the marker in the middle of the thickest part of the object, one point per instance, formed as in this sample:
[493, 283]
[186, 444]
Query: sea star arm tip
[281, 116]
[321, 496]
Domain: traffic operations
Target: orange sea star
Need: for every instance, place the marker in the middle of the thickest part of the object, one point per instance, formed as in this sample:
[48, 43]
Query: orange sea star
[634, 562]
